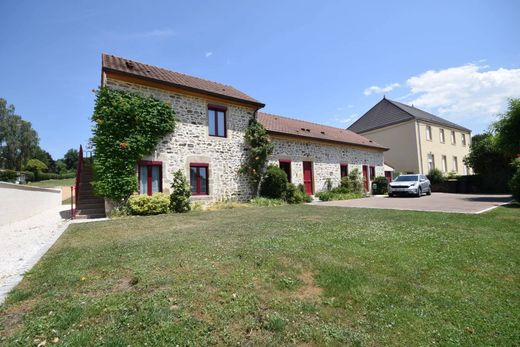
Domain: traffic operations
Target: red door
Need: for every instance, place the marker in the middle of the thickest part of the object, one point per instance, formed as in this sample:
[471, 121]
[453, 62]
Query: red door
[365, 177]
[307, 177]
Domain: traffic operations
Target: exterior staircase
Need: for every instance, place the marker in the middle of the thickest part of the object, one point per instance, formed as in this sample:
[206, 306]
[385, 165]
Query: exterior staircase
[89, 205]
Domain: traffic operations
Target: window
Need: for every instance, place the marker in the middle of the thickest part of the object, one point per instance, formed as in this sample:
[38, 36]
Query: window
[441, 134]
[150, 177]
[464, 140]
[444, 164]
[285, 165]
[343, 170]
[465, 170]
[199, 179]
[217, 121]
[455, 166]
[372, 173]
[428, 133]
[431, 162]
[453, 140]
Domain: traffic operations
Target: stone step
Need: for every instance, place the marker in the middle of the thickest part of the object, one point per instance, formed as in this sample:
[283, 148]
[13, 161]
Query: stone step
[91, 216]
[89, 211]
[96, 200]
[86, 206]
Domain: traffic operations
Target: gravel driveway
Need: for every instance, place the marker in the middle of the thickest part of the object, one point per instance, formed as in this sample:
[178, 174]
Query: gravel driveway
[24, 242]
[437, 202]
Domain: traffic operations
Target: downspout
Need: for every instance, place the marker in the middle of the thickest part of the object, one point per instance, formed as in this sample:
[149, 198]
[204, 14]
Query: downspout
[418, 130]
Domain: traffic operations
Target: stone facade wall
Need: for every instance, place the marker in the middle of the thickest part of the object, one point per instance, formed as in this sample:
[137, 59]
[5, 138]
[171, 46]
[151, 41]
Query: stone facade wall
[190, 143]
[326, 159]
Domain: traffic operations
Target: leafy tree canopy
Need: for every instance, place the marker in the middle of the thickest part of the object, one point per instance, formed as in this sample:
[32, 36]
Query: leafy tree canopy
[507, 130]
[36, 165]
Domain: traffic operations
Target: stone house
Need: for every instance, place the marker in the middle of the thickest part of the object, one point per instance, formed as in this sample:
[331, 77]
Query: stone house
[208, 143]
[419, 141]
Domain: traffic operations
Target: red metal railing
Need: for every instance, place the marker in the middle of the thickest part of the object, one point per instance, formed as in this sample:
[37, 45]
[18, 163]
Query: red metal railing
[74, 190]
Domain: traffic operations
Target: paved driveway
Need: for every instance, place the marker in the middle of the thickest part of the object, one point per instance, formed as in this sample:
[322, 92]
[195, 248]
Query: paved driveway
[438, 202]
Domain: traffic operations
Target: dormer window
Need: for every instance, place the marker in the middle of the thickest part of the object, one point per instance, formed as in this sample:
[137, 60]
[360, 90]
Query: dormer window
[217, 121]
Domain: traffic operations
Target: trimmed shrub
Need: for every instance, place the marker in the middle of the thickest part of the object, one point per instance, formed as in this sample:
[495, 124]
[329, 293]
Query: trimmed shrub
[274, 183]
[181, 193]
[435, 176]
[8, 175]
[148, 205]
[267, 202]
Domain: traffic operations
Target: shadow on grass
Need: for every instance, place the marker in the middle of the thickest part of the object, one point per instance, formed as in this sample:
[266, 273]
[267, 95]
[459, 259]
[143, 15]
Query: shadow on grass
[512, 205]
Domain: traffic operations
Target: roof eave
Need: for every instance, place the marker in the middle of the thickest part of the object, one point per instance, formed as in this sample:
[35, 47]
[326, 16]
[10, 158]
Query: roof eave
[180, 86]
[384, 149]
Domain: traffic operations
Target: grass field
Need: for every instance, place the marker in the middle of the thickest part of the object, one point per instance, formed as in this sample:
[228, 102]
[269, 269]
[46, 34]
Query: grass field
[286, 275]
[66, 182]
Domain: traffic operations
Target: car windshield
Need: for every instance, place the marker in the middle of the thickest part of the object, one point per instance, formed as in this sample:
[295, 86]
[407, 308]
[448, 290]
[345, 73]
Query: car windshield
[406, 178]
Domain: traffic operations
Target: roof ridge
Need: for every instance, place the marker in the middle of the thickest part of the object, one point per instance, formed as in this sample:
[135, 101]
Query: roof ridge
[165, 69]
[305, 121]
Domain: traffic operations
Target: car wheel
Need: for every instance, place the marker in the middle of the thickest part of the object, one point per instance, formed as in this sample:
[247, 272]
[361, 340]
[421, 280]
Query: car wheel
[419, 192]
[390, 195]
[429, 192]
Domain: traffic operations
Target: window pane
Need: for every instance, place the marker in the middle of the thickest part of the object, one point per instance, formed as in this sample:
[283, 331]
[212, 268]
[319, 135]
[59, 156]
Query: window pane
[221, 123]
[156, 173]
[211, 122]
[193, 179]
[203, 174]
[143, 179]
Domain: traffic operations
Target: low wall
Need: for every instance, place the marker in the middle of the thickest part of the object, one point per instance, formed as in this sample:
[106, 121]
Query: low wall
[18, 202]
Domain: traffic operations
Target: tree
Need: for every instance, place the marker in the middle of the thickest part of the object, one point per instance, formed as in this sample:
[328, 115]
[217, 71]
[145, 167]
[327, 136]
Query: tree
[485, 156]
[260, 148]
[18, 140]
[46, 158]
[181, 193]
[71, 159]
[507, 130]
[36, 166]
[61, 167]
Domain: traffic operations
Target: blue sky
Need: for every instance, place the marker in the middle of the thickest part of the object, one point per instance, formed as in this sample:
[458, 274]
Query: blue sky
[326, 62]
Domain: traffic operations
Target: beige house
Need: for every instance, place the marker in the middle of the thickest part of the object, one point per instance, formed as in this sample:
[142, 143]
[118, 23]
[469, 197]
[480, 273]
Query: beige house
[419, 141]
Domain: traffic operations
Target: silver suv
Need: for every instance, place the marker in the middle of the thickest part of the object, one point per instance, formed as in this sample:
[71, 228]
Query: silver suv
[410, 185]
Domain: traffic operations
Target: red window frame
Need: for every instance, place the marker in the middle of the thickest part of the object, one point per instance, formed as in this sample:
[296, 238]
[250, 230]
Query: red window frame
[343, 170]
[286, 162]
[149, 164]
[217, 109]
[198, 166]
[372, 172]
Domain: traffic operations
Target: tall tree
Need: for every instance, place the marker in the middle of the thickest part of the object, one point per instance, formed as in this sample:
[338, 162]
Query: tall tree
[71, 159]
[46, 158]
[507, 130]
[18, 140]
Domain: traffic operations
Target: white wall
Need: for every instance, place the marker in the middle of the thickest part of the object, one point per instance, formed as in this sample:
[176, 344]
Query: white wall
[19, 202]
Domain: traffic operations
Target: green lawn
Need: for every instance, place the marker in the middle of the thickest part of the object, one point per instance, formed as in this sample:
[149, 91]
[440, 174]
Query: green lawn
[305, 275]
[66, 182]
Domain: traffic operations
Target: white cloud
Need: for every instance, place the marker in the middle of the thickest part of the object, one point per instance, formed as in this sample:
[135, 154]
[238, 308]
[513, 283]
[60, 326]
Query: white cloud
[377, 89]
[342, 121]
[208, 54]
[467, 92]
[152, 34]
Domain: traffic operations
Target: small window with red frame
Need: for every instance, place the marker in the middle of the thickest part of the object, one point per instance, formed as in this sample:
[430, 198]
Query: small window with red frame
[199, 179]
[150, 177]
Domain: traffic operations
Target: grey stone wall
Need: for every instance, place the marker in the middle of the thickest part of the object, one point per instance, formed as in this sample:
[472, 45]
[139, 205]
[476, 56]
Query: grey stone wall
[190, 143]
[326, 159]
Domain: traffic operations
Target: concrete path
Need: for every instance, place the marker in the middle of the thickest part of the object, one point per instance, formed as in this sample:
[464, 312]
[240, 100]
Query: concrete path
[24, 242]
[437, 202]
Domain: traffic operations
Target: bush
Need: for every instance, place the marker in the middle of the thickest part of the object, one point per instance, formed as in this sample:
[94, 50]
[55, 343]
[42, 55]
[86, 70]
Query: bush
[435, 176]
[35, 165]
[267, 202]
[295, 195]
[381, 184]
[353, 182]
[334, 195]
[148, 205]
[274, 183]
[514, 183]
[181, 193]
[8, 175]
